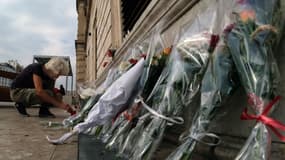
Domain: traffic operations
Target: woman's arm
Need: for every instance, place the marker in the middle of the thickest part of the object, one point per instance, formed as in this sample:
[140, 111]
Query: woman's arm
[45, 96]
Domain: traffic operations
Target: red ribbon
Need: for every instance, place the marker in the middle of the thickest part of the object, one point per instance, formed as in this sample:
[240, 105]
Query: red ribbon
[273, 124]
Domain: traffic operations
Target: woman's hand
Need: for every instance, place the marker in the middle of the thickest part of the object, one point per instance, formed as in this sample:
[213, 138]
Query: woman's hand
[69, 109]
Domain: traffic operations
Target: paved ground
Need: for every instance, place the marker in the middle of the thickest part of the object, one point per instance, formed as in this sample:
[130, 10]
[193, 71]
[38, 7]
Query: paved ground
[23, 138]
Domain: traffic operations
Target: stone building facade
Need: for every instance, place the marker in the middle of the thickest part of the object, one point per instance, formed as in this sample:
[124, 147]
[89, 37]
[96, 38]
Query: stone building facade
[80, 43]
[99, 29]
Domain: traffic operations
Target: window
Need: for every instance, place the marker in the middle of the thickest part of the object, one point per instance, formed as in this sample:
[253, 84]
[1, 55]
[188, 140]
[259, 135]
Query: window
[131, 12]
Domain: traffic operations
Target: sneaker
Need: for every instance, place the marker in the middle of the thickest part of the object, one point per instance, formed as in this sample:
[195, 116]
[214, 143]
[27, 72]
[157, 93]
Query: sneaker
[45, 113]
[21, 109]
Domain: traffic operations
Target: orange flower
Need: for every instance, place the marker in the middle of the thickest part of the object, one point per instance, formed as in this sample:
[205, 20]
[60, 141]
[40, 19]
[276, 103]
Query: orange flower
[167, 50]
[247, 15]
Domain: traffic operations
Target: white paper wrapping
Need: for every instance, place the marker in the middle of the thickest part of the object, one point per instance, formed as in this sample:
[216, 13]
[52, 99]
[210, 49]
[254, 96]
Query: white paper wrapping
[88, 90]
[115, 97]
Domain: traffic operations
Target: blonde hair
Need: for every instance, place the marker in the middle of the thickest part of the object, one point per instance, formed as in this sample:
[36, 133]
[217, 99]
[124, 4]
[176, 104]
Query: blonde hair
[58, 65]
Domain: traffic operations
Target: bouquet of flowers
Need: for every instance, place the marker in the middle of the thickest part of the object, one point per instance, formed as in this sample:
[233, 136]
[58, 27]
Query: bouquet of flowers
[142, 117]
[179, 84]
[115, 97]
[137, 116]
[217, 84]
[79, 116]
[109, 104]
[155, 62]
[133, 55]
[128, 61]
[251, 43]
[94, 95]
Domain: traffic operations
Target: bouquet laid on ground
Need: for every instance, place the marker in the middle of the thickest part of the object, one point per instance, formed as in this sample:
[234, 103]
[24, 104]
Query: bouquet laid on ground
[251, 43]
[155, 62]
[110, 103]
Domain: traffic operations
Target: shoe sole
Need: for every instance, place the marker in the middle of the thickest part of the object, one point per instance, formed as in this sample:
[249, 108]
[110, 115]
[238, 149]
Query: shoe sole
[46, 116]
[24, 115]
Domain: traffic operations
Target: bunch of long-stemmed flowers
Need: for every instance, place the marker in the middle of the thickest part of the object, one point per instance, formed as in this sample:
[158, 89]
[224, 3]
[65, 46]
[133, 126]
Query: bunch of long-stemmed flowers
[217, 84]
[251, 43]
[156, 59]
[179, 84]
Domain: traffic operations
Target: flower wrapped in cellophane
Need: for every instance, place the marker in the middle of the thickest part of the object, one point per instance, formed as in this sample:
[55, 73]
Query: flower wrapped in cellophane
[251, 43]
[137, 116]
[156, 59]
[155, 63]
[86, 90]
[127, 61]
[217, 85]
[179, 83]
[93, 95]
[133, 55]
[117, 96]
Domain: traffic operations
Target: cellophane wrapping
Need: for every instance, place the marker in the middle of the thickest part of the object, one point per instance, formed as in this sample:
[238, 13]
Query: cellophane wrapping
[91, 95]
[156, 59]
[179, 83]
[251, 43]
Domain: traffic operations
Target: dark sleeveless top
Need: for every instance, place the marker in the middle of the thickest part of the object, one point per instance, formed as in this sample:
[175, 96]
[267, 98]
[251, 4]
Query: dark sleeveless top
[25, 78]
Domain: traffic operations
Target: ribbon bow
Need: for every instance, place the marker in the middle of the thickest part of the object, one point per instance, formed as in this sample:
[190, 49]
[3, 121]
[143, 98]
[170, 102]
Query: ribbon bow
[273, 124]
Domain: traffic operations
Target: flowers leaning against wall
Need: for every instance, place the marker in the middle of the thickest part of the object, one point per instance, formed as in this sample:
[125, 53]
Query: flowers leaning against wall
[117, 136]
[251, 43]
[179, 83]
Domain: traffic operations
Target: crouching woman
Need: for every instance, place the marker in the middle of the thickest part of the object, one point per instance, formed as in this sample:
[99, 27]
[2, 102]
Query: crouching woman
[34, 85]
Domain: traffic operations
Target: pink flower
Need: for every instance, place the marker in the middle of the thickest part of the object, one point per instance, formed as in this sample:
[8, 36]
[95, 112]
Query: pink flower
[213, 42]
[110, 52]
[241, 1]
[229, 28]
[105, 64]
[133, 61]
